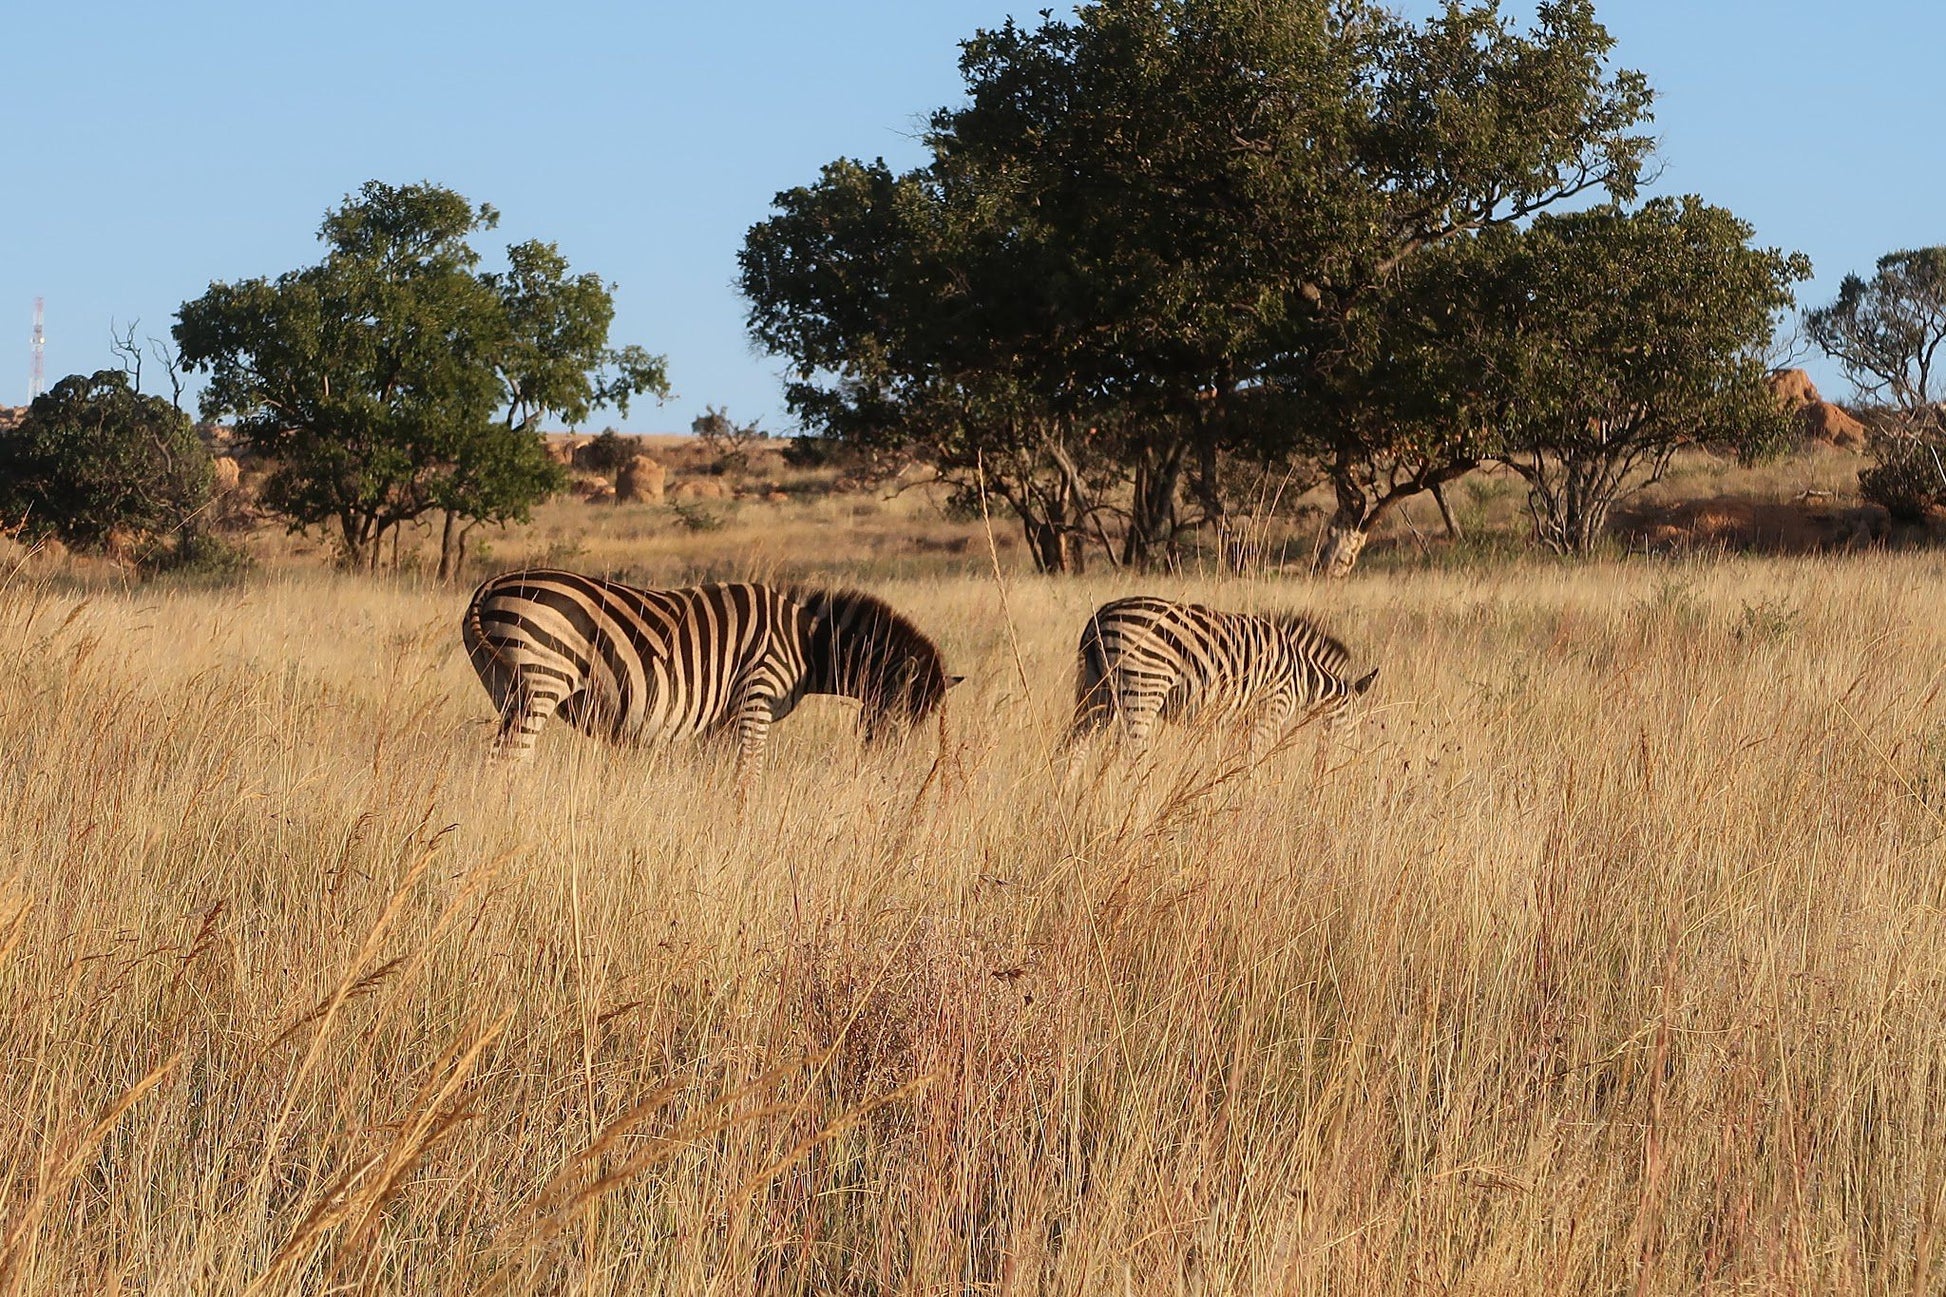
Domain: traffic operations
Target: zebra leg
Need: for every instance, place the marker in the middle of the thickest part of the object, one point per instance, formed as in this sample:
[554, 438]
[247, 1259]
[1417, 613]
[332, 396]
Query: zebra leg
[1272, 721]
[1092, 714]
[1094, 693]
[1139, 713]
[523, 713]
[753, 717]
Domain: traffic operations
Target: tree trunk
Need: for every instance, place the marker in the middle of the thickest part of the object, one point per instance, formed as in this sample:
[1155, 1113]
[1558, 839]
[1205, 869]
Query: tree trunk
[1045, 542]
[1586, 524]
[1344, 541]
[1206, 486]
[1152, 510]
[1570, 513]
[1446, 512]
[447, 547]
[352, 529]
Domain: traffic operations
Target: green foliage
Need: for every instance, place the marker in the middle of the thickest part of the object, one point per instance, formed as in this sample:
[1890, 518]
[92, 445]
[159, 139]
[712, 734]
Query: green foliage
[395, 378]
[609, 451]
[807, 451]
[1909, 478]
[94, 457]
[694, 517]
[730, 442]
[1889, 331]
[1148, 244]
[203, 556]
[1611, 338]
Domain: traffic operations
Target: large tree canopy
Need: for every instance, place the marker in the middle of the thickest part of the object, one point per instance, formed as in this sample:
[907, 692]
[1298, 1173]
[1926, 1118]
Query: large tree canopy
[395, 378]
[1148, 219]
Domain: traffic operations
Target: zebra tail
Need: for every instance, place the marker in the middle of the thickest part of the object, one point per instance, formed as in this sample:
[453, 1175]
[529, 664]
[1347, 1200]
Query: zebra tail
[473, 632]
[1093, 691]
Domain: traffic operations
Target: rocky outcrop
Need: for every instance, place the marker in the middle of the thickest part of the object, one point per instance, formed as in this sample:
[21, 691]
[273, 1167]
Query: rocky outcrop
[1793, 388]
[641, 480]
[562, 447]
[701, 488]
[1818, 420]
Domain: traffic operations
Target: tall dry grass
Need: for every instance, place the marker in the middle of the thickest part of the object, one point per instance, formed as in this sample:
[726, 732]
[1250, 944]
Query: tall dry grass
[1605, 954]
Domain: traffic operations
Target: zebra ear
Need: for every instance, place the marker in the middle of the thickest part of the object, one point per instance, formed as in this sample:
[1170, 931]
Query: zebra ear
[954, 680]
[1364, 682]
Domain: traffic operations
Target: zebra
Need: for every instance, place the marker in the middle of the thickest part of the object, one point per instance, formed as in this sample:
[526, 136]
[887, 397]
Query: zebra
[1143, 658]
[645, 666]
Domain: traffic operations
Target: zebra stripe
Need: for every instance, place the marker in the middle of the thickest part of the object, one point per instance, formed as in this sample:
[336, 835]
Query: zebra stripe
[649, 666]
[1144, 659]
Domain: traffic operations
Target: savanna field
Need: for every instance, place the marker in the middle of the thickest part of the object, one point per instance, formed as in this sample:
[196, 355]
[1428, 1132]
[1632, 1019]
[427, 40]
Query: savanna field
[1604, 953]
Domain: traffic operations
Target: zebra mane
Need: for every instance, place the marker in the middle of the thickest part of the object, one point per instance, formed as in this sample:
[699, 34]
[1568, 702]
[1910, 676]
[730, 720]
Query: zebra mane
[1326, 648]
[848, 604]
[897, 646]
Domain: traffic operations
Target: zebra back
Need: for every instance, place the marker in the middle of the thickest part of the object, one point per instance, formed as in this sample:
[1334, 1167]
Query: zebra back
[619, 660]
[1141, 656]
[1311, 639]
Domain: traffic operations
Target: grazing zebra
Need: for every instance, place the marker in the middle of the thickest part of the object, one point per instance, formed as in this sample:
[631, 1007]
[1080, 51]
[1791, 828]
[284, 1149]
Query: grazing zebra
[645, 666]
[1144, 659]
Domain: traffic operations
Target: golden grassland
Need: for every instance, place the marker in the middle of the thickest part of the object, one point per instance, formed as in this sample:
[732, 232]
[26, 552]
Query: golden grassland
[1605, 953]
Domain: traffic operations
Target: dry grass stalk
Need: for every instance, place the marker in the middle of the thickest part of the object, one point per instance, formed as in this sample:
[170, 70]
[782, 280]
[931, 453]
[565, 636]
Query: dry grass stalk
[1604, 956]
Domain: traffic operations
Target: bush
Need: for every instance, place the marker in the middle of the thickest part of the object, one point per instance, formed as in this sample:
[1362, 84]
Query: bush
[608, 452]
[731, 443]
[94, 457]
[806, 451]
[693, 517]
[203, 556]
[1909, 479]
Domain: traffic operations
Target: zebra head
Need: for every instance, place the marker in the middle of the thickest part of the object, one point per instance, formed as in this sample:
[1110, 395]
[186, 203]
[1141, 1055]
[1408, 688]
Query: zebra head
[1321, 659]
[861, 648]
[1338, 695]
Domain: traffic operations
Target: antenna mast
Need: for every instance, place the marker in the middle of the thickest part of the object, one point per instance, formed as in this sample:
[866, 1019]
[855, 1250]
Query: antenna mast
[37, 368]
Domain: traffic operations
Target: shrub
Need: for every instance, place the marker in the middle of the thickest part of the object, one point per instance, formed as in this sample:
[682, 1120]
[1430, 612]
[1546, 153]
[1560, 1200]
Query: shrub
[94, 457]
[608, 452]
[1908, 480]
[203, 556]
[731, 443]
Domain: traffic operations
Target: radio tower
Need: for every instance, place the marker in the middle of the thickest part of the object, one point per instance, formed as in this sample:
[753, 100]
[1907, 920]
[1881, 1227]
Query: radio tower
[37, 368]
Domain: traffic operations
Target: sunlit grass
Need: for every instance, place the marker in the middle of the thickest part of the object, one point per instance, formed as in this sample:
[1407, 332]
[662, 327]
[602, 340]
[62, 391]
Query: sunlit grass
[1605, 953]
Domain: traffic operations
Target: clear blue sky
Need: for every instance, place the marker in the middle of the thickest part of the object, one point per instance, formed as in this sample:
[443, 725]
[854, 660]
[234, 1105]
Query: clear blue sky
[153, 148]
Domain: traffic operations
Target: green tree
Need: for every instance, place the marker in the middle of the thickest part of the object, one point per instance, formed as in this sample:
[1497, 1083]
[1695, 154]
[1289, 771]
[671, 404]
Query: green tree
[1615, 338]
[916, 317]
[1147, 220]
[1405, 405]
[1889, 334]
[94, 456]
[395, 378]
[1243, 182]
